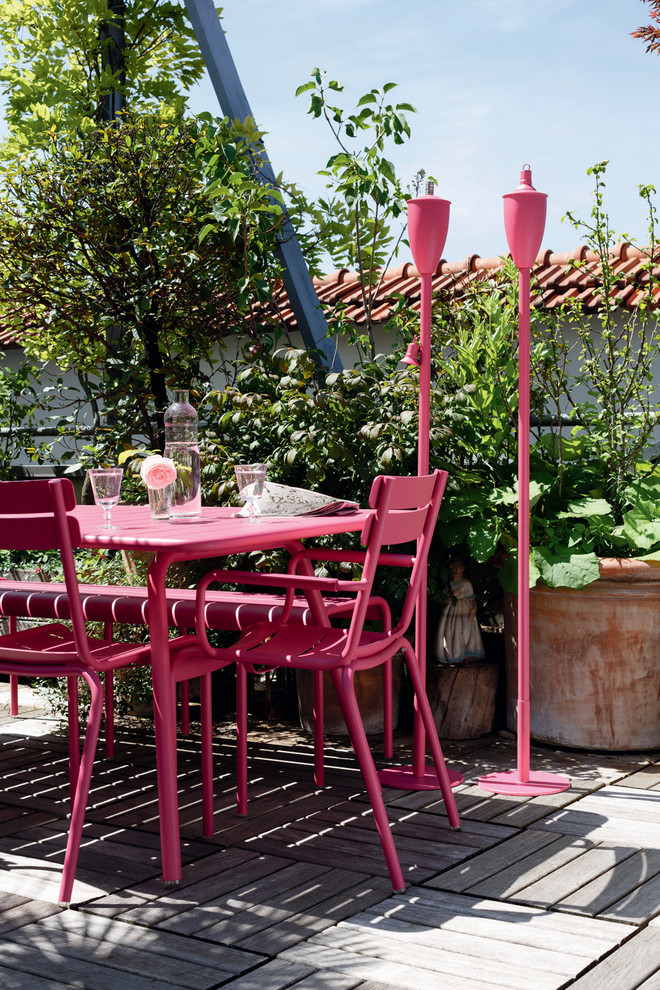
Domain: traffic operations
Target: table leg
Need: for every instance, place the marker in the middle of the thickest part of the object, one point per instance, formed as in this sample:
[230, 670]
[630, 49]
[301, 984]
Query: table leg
[164, 721]
[320, 616]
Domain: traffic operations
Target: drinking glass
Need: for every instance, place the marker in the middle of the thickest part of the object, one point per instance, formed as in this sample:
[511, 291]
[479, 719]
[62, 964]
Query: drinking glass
[106, 485]
[250, 479]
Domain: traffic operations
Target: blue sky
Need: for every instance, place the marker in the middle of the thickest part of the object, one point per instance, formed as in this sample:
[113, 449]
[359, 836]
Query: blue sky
[559, 84]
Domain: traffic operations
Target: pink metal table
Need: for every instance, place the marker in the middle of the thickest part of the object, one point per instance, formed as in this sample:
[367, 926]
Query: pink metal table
[217, 533]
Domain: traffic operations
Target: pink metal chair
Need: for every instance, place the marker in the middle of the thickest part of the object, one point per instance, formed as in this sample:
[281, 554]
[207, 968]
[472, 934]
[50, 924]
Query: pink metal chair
[406, 510]
[37, 515]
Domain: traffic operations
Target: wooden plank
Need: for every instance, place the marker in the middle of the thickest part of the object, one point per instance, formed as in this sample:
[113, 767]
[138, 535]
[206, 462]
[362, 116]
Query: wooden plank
[639, 905]
[424, 828]
[324, 849]
[477, 953]
[356, 848]
[653, 982]
[19, 819]
[647, 777]
[492, 861]
[636, 961]
[514, 878]
[16, 912]
[251, 907]
[333, 981]
[624, 802]
[437, 848]
[274, 975]
[132, 903]
[616, 887]
[635, 835]
[152, 954]
[465, 795]
[563, 881]
[536, 809]
[29, 952]
[458, 958]
[342, 903]
[184, 903]
[393, 972]
[485, 807]
[11, 979]
[265, 818]
[598, 936]
[40, 880]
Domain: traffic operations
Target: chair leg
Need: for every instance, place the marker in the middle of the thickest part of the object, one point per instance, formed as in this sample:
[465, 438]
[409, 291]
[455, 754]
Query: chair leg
[344, 686]
[205, 696]
[432, 736]
[79, 804]
[388, 718]
[12, 626]
[109, 691]
[241, 739]
[319, 759]
[74, 735]
[184, 691]
[13, 695]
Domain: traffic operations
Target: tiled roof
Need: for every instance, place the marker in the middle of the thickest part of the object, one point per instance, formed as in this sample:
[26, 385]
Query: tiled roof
[7, 339]
[555, 276]
[556, 279]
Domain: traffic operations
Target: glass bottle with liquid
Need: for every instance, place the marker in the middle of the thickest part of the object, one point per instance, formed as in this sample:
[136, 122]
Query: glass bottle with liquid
[181, 445]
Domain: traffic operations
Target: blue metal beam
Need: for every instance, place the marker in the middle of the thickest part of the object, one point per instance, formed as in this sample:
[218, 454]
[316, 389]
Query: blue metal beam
[233, 101]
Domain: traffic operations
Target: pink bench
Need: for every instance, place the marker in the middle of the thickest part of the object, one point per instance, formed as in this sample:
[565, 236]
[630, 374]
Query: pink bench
[225, 609]
[228, 610]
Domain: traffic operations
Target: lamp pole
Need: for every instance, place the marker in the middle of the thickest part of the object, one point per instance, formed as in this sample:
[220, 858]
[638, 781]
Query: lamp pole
[428, 222]
[524, 222]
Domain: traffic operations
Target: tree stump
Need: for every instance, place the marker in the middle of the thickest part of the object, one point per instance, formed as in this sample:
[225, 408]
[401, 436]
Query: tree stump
[462, 698]
[369, 694]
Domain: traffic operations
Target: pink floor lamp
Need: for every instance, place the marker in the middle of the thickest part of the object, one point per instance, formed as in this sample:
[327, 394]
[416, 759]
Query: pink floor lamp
[524, 222]
[428, 222]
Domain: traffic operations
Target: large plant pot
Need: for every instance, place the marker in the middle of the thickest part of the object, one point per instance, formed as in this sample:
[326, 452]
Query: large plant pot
[369, 694]
[594, 660]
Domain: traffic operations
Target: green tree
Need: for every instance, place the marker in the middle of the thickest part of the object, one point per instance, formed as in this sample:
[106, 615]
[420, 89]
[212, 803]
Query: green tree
[103, 266]
[356, 225]
[61, 62]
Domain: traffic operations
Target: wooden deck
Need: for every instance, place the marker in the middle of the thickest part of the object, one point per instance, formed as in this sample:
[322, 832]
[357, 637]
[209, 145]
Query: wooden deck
[530, 894]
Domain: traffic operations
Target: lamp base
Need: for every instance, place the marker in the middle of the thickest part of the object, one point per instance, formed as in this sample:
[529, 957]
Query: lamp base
[536, 784]
[404, 779]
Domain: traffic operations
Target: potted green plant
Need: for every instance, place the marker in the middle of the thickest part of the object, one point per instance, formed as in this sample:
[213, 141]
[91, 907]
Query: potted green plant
[595, 495]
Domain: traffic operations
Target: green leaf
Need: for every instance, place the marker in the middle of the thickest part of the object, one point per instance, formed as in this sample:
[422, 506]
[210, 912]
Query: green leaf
[641, 526]
[566, 569]
[482, 542]
[585, 507]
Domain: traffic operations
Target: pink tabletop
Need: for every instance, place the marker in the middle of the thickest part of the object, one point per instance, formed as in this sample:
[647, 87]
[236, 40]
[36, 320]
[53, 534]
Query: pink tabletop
[217, 533]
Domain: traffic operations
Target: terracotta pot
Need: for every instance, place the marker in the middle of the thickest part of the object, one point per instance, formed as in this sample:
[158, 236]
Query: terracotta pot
[594, 660]
[369, 694]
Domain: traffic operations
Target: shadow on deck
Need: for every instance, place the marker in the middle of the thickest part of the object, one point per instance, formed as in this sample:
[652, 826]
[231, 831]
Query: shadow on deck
[542, 893]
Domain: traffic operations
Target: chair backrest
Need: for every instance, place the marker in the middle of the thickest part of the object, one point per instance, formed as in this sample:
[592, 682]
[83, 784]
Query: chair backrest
[406, 510]
[37, 515]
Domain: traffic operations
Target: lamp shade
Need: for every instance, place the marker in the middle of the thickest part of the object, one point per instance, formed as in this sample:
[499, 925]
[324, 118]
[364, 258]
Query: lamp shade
[524, 220]
[428, 222]
[412, 355]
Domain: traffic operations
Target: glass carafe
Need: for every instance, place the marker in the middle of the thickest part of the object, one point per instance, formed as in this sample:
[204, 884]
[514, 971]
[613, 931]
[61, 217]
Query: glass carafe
[182, 446]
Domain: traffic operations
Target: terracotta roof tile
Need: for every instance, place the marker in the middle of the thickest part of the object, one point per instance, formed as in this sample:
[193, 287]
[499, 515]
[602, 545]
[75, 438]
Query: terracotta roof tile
[557, 278]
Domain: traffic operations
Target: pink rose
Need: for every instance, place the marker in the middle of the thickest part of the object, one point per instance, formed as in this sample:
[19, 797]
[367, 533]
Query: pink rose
[157, 471]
